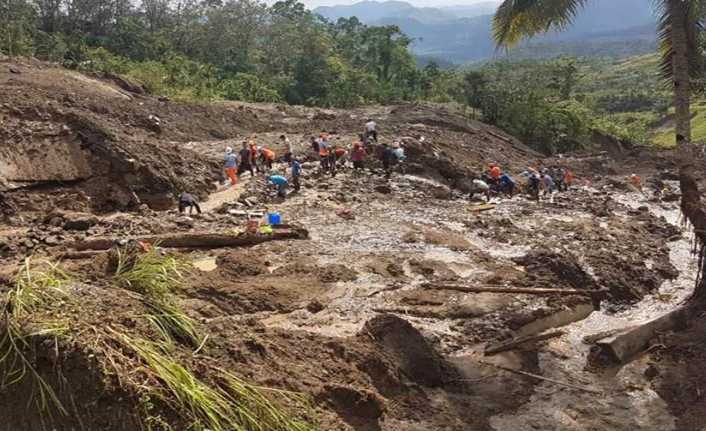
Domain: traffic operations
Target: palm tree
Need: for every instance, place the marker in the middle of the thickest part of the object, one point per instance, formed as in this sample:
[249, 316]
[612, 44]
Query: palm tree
[678, 28]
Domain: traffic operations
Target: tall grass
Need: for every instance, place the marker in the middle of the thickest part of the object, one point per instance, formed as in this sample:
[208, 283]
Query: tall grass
[35, 286]
[237, 406]
[158, 277]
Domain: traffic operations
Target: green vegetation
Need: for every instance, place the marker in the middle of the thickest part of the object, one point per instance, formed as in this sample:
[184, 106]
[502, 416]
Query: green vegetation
[157, 277]
[36, 286]
[156, 370]
[245, 50]
[553, 105]
[234, 406]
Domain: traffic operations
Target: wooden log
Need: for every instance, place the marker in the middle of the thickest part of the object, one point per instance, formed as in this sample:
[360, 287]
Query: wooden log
[519, 290]
[625, 346]
[542, 378]
[197, 240]
[516, 342]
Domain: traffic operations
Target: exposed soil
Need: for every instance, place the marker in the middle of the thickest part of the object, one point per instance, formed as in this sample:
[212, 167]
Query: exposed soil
[358, 317]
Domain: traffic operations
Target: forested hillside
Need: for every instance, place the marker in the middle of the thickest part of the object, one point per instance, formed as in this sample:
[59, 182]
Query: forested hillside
[234, 49]
[248, 51]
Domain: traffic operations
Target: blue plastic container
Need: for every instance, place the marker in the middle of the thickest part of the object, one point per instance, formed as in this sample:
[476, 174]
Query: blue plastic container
[274, 219]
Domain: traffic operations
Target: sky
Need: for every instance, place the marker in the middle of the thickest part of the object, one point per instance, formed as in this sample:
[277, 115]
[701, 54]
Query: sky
[420, 3]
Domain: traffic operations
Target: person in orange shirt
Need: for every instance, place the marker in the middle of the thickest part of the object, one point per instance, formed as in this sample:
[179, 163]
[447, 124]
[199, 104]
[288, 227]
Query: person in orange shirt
[253, 155]
[267, 157]
[495, 172]
[568, 178]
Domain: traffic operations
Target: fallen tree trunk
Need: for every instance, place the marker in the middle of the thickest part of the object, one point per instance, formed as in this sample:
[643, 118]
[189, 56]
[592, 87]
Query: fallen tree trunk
[522, 290]
[197, 240]
[516, 342]
[627, 345]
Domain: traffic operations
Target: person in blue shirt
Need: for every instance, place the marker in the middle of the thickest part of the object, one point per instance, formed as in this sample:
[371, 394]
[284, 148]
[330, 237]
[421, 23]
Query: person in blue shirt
[230, 163]
[296, 172]
[507, 185]
[281, 183]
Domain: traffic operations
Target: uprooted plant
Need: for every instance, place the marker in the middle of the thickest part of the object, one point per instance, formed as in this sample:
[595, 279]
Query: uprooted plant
[36, 286]
[157, 278]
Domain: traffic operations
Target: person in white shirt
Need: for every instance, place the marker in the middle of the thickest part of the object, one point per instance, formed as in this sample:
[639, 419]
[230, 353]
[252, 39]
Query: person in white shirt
[371, 130]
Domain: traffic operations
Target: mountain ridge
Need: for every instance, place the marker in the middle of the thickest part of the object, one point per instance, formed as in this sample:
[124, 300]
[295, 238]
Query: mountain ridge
[602, 28]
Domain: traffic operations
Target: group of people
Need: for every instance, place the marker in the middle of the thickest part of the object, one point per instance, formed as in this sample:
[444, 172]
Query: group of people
[496, 182]
[331, 157]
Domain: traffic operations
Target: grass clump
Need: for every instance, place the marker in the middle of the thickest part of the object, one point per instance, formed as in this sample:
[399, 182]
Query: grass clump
[158, 277]
[236, 406]
[34, 287]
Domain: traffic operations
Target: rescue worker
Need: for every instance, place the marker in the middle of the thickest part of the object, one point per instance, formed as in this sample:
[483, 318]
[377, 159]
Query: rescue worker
[371, 130]
[287, 149]
[296, 173]
[341, 155]
[494, 172]
[314, 142]
[280, 182]
[253, 155]
[230, 163]
[246, 161]
[324, 150]
[533, 184]
[187, 200]
[267, 158]
[387, 157]
[358, 156]
[481, 187]
[568, 178]
[507, 185]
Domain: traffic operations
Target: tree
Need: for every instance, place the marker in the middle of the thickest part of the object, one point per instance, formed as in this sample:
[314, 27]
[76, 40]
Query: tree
[679, 25]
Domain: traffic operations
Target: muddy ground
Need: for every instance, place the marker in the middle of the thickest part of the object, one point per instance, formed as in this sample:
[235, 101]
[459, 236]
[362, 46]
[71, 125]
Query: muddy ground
[361, 317]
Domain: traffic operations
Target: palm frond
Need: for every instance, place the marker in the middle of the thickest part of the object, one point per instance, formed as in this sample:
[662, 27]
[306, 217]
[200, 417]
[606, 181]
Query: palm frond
[689, 13]
[518, 19]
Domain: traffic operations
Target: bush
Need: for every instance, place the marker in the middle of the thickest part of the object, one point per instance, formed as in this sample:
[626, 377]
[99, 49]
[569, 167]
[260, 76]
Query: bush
[248, 88]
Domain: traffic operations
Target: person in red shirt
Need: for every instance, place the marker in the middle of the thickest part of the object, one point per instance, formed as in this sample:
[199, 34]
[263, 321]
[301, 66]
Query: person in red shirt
[358, 156]
[495, 172]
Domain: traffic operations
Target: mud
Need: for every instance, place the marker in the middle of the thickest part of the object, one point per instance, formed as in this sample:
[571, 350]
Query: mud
[356, 316]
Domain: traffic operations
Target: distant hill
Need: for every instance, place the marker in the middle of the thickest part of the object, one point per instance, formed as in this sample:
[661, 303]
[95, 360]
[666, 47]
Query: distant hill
[607, 28]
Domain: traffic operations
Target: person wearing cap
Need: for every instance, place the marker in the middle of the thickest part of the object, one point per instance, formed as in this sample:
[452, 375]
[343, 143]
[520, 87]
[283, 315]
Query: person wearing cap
[230, 163]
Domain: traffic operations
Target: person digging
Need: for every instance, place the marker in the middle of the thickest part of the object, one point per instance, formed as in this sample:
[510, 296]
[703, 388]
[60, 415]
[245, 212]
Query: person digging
[280, 183]
[186, 200]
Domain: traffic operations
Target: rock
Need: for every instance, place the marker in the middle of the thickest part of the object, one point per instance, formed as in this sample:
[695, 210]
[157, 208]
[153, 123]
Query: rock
[79, 221]
[383, 188]
[314, 306]
[52, 240]
[412, 352]
[28, 243]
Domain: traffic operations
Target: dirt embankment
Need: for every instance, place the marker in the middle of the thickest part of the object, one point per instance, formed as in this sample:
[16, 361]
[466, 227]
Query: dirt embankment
[79, 141]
